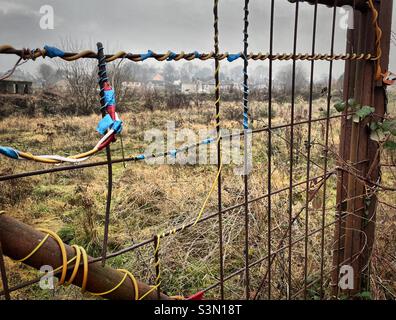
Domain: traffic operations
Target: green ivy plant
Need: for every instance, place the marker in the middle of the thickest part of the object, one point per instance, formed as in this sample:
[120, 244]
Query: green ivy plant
[359, 112]
[382, 132]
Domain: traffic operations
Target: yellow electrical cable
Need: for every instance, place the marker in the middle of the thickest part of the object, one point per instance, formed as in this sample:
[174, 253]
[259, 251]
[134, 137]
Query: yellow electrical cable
[150, 291]
[81, 253]
[85, 269]
[76, 265]
[63, 253]
[134, 282]
[85, 154]
[210, 192]
[34, 250]
[111, 290]
[29, 156]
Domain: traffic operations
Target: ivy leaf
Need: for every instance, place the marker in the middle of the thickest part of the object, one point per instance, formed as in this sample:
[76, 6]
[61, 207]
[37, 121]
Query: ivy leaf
[390, 126]
[377, 135]
[356, 118]
[374, 126]
[352, 103]
[390, 145]
[364, 111]
[340, 106]
[365, 295]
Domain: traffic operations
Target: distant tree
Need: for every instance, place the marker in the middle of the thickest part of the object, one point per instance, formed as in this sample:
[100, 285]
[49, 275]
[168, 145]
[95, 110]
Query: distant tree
[118, 75]
[146, 73]
[187, 71]
[170, 73]
[236, 74]
[259, 75]
[203, 74]
[132, 71]
[81, 77]
[47, 74]
[284, 79]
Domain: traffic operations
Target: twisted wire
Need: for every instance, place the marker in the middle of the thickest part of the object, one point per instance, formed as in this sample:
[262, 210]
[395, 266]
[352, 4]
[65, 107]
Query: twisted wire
[103, 80]
[219, 142]
[245, 68]
[157, 262]
[246, 127]
[169, 55]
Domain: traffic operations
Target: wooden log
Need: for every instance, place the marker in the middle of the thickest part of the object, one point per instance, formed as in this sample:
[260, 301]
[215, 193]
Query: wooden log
[19, 239]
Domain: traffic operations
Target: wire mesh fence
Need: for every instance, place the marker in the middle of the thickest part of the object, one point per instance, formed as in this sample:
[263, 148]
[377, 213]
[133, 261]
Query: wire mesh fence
[306, 209]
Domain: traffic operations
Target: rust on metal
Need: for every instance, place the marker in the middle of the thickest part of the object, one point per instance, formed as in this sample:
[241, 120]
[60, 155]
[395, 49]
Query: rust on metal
[19, 240]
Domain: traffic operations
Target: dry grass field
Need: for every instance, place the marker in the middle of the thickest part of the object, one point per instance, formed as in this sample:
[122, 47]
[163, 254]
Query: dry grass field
[148, 199]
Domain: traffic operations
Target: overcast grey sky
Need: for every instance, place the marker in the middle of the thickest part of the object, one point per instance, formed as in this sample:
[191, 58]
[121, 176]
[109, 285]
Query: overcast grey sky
[161, 25]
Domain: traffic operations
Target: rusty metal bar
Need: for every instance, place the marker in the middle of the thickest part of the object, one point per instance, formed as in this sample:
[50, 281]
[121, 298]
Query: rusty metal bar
[291, 158]
[379, 98]
[219, 143]
[358, 4]
[326, 153]
[367, 91]
[20, 239]
[342, 179]
[246, 173]
[3, 272]
[102, 73]
[269, 149]
[309, 146]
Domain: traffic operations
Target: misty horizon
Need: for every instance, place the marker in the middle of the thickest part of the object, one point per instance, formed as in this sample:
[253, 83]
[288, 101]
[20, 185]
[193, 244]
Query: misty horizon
[176, 25]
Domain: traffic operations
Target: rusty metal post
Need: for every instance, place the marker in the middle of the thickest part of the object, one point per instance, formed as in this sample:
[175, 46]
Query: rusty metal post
[342, 177]
[354, 236]
[3, 272]
[19, 239]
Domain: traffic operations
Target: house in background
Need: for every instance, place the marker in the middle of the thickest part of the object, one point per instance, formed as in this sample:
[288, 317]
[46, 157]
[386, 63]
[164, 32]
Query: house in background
[16, 87]
[132, 85]
[157, 82]
[191, 87]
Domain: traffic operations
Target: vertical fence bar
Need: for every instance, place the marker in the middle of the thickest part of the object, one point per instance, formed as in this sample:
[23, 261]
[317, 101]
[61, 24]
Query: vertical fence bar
[102, 79]
[326, 151]
[269, 147]
[309, 145]
[219, 150]
[157, 265]
[291, 159]
[246, 132]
